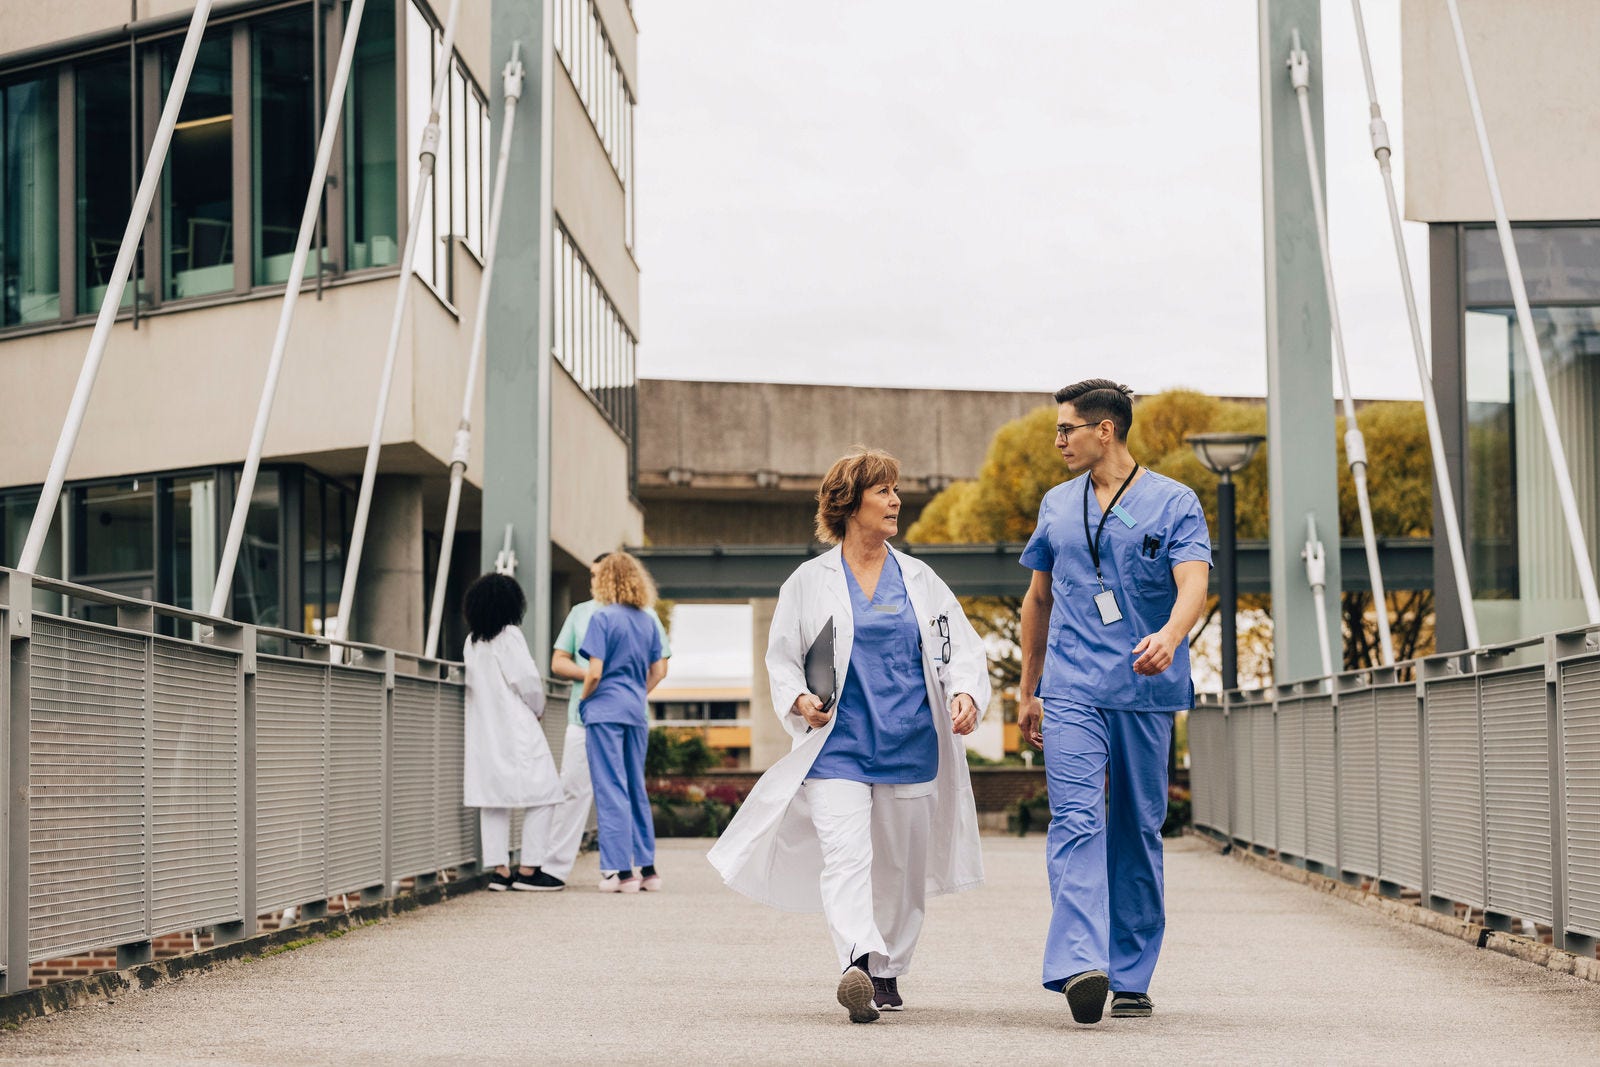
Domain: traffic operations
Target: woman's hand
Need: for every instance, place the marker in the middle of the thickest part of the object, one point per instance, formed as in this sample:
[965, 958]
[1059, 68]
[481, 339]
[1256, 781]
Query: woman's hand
[963, 714]
[809, 708]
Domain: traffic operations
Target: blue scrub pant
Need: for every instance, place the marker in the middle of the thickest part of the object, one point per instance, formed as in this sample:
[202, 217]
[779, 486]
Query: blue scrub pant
[1105, 865]
[616, 768]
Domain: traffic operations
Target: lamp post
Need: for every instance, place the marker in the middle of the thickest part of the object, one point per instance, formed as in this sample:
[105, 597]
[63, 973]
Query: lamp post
[1226, 454]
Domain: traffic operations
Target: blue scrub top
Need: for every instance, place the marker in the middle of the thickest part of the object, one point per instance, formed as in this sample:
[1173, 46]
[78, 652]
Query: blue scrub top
[885, 733]
[1089, 662]
[625, 640]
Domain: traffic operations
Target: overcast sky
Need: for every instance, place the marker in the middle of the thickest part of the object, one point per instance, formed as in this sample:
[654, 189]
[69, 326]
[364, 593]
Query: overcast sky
[924, 193]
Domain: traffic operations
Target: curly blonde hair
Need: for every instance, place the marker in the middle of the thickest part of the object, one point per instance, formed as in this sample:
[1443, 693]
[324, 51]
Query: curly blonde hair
[846, 482]
[621, 579]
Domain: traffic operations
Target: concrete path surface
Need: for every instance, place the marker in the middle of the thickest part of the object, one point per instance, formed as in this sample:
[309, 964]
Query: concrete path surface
[1255, 969]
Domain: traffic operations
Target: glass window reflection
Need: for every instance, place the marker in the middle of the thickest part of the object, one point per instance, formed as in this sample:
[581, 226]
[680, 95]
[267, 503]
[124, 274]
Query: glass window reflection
[198, 217]
[371, 195]
[30, 280]
[283, 137]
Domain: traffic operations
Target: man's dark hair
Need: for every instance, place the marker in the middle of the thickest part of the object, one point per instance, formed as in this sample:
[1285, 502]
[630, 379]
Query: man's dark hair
[1098, 399]
[492, 602]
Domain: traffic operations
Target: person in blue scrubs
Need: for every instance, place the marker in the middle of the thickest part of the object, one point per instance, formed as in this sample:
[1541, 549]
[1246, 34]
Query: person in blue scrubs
[624, 651]
[1121, 560]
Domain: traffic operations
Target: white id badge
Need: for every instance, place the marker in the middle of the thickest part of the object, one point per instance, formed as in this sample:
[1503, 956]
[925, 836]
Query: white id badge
[1106, 601]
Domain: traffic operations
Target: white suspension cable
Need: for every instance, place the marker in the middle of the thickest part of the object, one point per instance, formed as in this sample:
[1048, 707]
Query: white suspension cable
[1441, 466]
[50, 495]
[512, 77]
[425, 161]
[1530, 337]
[1355, 445]
[309, 219]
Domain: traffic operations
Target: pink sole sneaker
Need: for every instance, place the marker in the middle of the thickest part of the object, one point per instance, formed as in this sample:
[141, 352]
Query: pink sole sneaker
[612, 884]
[652, 884]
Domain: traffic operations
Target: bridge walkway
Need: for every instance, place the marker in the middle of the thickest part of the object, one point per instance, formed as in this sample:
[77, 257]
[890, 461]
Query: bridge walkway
[1256, 969]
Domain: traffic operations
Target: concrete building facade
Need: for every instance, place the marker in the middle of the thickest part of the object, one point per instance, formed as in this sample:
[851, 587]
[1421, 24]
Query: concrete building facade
[151, 483]
[1540, 91]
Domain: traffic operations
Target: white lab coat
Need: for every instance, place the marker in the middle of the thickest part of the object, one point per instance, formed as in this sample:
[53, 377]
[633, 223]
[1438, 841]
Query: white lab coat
[770, 851]
[508, 761]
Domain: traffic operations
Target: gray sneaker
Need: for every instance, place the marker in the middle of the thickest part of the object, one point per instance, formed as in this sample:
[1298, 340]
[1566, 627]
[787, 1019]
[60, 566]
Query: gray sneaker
[1086, 995]
[1131, 1006]
[855, 993]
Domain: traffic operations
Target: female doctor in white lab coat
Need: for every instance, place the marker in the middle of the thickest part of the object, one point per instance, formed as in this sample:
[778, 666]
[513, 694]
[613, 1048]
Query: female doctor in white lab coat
[872, 809]
[508, 762]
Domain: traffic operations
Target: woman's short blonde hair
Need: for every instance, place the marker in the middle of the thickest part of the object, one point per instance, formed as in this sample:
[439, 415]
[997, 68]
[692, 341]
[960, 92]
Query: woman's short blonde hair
[846, 482]
[621, 579]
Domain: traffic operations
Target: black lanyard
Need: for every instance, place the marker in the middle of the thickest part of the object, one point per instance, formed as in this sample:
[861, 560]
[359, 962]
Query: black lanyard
[1094, 542]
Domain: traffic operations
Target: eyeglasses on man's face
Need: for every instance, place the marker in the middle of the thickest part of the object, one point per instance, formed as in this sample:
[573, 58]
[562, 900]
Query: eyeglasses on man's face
[1064, 429]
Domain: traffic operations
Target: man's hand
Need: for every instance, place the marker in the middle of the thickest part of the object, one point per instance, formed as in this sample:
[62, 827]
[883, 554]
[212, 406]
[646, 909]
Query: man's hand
[963, 714]
[1154, 654]
[1030, 720]
[809, 708]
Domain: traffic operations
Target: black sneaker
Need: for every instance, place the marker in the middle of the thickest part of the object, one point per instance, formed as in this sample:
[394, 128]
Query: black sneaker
[886, 995]
[1131, 1006]
[537, 882]
[856, 994]
[499, 883]
[1086, 995]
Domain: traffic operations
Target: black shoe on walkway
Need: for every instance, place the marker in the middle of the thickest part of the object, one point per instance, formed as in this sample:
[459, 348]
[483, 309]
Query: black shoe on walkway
[886, 995]
[856, 994]
[499, 883]
[537, 882]
[1086, 995]
[1131, 1006]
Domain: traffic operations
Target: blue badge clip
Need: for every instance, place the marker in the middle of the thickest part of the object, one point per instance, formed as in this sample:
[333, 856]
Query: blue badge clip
[1127, 520]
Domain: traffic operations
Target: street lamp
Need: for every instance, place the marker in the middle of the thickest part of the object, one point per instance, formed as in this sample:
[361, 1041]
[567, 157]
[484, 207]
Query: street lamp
[1226, 454]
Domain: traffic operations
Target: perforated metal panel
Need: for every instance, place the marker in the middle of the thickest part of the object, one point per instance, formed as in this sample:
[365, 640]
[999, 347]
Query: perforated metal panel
[1580, 744]
[1399, 786]
[1264, 769]
[291, 782]
[1291, 778]
[195, 879]
[1455, 782]
[1358, 783]
[1206, 768]
[458, 824]
[356, 700]
[1322, 781]
[86, 766]
[1241, 724]
[414, 751]
[1516, 779]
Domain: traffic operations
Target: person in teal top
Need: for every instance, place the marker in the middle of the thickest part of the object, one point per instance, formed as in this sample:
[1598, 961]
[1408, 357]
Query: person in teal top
[568, 661]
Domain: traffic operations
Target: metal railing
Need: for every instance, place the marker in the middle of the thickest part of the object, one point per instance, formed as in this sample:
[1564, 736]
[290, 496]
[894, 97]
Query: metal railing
[158, 784]
[1472, 779]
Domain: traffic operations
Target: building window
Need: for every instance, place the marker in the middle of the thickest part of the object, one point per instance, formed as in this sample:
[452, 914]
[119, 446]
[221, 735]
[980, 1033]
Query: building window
[585, 50]
[283, 141]
[372, 216]
[30, 278]
[326, 512]
[105, 178]
[1523, 576]
[197, 243]
[455, 198]
[589, 338]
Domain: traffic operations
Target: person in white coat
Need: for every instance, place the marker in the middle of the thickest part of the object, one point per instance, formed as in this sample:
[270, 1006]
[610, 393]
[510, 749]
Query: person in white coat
[508, 762]
[872, 809]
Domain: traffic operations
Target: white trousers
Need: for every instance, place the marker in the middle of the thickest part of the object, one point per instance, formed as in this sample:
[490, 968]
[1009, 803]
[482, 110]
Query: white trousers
[874, 868]
[495, 826]
[572, 814]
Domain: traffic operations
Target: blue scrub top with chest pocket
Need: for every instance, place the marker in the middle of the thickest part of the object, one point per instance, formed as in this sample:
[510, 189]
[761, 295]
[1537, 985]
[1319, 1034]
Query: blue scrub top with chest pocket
[885, 733]
[1088, 661]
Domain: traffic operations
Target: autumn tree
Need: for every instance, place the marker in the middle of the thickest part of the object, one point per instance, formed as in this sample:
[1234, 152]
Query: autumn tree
[1021, 465]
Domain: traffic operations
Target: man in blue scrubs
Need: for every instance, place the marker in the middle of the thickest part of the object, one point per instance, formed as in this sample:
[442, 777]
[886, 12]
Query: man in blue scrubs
[1120, 560]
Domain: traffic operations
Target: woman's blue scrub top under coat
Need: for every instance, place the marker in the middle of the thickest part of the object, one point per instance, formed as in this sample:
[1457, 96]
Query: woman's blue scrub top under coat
[885, 733]
[1089, 662]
